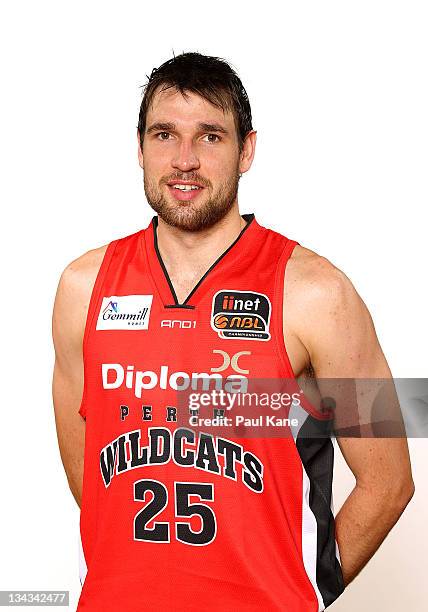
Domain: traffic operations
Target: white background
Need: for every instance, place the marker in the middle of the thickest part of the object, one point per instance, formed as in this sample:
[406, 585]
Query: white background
[339, 97]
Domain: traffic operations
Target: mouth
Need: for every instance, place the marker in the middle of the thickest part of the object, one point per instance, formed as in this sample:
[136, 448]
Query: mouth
[185, 191]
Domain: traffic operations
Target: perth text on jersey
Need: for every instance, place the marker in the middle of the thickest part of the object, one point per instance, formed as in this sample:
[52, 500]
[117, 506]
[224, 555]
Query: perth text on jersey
[126, 312]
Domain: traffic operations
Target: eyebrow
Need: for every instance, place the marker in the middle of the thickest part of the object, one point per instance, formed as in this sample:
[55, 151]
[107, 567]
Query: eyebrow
[170, 127]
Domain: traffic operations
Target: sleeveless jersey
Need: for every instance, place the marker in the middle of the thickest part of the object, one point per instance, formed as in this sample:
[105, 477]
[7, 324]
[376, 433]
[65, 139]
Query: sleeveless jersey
[174, 519]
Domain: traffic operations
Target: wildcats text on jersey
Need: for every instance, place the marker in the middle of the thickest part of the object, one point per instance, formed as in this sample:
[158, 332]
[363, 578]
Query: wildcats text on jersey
[205, 453]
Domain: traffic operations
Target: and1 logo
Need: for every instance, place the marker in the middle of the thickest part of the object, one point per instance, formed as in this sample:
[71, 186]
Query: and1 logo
[125, 312]
[241, 314]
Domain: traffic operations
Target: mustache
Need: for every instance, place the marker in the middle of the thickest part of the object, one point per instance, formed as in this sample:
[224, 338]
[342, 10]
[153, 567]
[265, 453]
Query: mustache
[186, 177]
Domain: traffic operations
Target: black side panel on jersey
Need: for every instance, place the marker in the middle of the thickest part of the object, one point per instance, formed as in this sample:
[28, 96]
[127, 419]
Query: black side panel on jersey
[316, 451]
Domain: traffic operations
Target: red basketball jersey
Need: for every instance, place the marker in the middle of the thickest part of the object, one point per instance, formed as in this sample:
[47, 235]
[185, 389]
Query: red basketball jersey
[184, 520]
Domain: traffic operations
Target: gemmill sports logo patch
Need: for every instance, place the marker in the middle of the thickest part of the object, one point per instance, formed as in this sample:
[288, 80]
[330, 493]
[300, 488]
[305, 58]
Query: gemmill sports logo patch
[125, 312]
[241, 314]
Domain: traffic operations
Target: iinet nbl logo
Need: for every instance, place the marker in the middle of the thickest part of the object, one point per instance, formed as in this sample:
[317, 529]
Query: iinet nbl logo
[125, 312]
[241, 314]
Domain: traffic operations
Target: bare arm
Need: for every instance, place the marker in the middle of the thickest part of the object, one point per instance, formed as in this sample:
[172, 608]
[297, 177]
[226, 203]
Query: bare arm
[68, 325]
[338, 333]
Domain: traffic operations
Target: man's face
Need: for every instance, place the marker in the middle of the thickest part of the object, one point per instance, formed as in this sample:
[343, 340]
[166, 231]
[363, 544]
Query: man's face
[189, 140]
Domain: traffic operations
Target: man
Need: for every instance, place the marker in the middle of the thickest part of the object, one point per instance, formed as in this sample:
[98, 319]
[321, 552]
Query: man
[172, 519]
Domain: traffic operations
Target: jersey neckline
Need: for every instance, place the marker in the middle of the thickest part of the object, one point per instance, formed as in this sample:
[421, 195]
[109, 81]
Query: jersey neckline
[160, 274]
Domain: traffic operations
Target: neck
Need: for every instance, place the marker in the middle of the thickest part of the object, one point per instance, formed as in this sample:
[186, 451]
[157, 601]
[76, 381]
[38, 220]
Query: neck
[187, 255]
[177, 244]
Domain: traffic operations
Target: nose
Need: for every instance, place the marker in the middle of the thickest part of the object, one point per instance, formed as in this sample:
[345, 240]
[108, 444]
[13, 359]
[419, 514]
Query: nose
[185, 158]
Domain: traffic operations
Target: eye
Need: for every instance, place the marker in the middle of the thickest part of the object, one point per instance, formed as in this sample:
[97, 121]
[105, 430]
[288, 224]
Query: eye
[161, 134]
[215, 136]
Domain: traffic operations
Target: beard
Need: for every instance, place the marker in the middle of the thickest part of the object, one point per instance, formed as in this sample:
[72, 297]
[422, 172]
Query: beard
[190, 215]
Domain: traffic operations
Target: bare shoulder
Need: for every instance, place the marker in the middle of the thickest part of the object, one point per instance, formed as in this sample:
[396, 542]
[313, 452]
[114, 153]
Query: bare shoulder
[73, 296]
[80, 274]
[324, 311]
[317, 293]
[312, 279]
[308, 285]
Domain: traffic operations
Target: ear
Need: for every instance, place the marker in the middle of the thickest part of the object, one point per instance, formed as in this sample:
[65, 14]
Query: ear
[140, 153]
[248, 151]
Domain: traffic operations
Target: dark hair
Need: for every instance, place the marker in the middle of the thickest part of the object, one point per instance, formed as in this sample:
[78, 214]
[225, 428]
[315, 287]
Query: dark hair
[210, 77]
